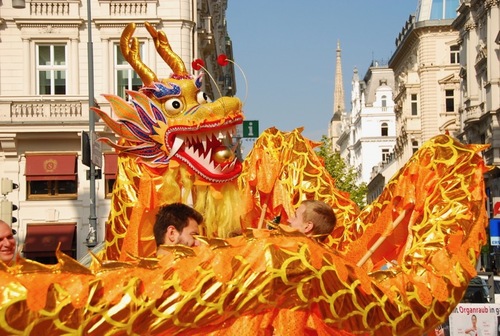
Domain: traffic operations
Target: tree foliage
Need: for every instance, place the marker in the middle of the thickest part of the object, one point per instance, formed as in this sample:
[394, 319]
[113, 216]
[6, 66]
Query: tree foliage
[344, 175]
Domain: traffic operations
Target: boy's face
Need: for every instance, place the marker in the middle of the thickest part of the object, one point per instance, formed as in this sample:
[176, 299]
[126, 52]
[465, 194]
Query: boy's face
[297, 221]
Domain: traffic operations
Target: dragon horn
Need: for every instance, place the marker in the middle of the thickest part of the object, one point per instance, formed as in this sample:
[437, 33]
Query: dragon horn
[163, 47]
[130, 49]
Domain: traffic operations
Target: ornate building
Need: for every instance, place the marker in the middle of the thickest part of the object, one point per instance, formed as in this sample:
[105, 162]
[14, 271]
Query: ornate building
[368, 131]
[426, 92]
[478, 24]
[426, 69]
[47, 85]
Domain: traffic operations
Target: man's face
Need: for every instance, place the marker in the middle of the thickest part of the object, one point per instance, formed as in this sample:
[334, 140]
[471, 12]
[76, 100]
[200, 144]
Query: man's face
[297, 221]
[7, 243]
[186, 237]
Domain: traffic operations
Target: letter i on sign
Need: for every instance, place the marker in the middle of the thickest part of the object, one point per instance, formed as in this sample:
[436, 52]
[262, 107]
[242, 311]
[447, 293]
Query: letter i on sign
[250, 130]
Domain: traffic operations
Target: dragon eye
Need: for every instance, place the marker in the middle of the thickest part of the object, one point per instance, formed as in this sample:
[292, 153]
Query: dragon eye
[203, 98]
[174, 105]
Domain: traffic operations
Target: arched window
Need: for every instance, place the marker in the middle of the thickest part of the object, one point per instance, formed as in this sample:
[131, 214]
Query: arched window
[384, 101]
[384, 129]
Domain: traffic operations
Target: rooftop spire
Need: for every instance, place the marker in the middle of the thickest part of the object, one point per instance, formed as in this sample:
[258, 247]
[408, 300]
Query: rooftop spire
[338, 94]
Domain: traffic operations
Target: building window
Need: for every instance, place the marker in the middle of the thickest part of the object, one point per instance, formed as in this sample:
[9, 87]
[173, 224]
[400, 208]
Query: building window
[454, 54]
[125, 77]
[51, 176]
[443, 9]
[384, 129]
[110, 169]
[51, 189]
[414, 105]
[450, 100]
[384, 103]
[414, 146]
[385, 155]
[51, 69]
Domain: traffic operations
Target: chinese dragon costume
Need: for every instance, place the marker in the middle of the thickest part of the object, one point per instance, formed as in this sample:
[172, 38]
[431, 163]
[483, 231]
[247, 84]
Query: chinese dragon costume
[397, 267]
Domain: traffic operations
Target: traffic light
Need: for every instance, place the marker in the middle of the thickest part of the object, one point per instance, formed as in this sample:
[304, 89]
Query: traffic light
[7, 186]
[6, 206]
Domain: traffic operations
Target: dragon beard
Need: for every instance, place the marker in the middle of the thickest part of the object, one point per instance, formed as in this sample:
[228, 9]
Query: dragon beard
[140, 190]
[215, 202]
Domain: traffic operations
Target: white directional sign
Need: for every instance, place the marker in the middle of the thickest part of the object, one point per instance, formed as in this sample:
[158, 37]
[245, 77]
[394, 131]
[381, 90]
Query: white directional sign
[95, 150]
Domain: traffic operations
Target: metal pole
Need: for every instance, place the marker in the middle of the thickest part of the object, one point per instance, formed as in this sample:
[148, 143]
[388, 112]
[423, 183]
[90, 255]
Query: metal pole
[92, 236]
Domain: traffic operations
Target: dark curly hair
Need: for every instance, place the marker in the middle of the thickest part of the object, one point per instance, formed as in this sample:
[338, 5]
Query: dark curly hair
[175, 214]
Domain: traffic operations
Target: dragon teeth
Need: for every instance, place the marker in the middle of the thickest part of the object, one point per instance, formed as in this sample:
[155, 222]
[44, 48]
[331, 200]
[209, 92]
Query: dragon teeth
[175, 147]
[204, 155]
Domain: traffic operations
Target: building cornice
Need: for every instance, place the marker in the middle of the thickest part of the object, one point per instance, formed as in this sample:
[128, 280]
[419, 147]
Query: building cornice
[490, 3]
[41, 23]
[461, 19]
[413, 31]
[122, 22]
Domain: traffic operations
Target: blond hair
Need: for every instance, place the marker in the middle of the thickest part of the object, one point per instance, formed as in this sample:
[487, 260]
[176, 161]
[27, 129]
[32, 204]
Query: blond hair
[322, 217]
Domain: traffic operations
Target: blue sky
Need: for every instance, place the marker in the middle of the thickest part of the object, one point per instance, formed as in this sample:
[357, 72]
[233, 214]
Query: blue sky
[287, 52]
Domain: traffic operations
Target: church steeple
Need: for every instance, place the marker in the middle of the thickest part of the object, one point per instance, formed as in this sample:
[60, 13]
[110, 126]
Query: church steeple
[335, 128]
[338, 94]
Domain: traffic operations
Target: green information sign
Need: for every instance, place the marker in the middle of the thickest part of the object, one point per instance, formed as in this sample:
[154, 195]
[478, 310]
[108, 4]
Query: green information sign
[251, 129]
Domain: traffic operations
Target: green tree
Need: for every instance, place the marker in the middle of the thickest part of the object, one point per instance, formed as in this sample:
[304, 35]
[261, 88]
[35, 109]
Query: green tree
[344, 175]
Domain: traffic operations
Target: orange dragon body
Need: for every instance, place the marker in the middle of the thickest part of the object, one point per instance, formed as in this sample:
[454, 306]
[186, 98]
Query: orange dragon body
[397, 267]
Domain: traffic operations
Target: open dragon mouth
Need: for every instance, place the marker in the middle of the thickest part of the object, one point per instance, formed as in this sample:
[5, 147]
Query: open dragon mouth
[208, 151]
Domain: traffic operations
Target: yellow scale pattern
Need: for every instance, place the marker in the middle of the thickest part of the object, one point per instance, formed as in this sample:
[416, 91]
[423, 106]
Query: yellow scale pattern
[276, 282]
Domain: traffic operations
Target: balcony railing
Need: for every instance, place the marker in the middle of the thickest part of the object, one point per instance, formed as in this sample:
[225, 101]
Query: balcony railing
[41, 110]
[49, 8]
[117, 8]
[67, 110]
[491, 156]
[473, 113]
[107, 8]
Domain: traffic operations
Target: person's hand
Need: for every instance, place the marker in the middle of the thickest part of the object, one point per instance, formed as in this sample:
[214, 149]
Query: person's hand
[439, 332]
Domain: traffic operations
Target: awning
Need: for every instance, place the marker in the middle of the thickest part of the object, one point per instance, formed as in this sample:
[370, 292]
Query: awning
[42, 239]
[50, 167]
[110, 165]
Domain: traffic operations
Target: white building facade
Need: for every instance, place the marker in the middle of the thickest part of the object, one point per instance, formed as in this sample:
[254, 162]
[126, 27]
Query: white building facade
[368, 131]
[478, 24]
[426, 67]
[44, 101]
[479, 27]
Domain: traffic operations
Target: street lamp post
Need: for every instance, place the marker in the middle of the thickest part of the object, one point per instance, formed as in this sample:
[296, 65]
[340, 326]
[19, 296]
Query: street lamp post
[92, 236]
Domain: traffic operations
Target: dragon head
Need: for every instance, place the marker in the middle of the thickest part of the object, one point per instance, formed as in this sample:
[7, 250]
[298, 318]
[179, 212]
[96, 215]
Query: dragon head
[173, 119]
